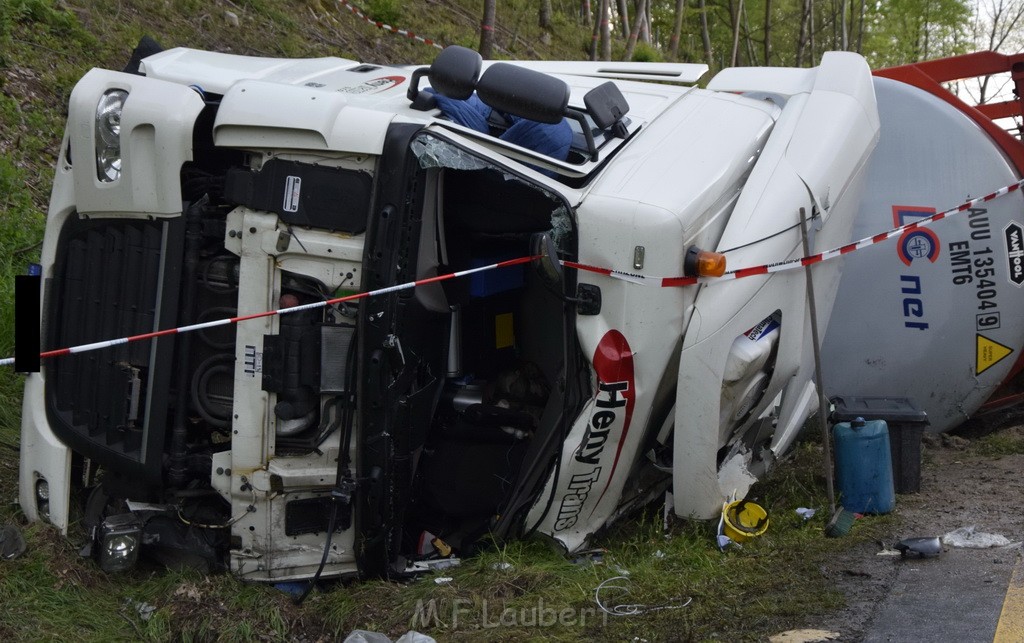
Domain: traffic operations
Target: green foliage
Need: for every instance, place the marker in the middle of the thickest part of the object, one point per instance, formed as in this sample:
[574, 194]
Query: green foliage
[387, 11]
[905, 31]
[645, 53]
[40, 13]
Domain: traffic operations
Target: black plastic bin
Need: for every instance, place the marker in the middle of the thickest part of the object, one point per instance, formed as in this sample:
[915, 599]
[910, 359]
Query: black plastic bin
[906, 427]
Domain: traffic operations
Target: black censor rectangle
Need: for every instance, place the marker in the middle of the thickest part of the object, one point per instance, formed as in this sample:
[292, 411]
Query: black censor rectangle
[26, 323]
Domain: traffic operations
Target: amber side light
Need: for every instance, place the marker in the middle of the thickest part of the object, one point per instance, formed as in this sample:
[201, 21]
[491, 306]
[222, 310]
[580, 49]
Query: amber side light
[703, 263]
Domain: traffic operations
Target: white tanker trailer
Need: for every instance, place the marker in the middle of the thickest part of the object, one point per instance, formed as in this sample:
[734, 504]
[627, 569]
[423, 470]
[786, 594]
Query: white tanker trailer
[935, 314]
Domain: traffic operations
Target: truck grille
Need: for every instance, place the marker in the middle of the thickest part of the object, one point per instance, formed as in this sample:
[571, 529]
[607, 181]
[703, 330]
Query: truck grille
[113, 278]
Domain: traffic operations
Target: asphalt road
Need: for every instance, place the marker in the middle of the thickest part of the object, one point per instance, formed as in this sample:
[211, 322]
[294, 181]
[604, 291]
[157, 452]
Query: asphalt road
[957, 596]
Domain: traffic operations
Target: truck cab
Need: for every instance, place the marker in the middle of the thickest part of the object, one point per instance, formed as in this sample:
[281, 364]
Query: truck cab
[376, 333]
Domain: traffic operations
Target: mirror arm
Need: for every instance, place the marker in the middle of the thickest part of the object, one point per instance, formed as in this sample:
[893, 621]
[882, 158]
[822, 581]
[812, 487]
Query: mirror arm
[582, 119]
[414, 83]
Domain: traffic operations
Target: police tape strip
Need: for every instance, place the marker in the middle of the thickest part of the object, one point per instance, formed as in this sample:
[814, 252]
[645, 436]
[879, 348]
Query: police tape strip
[664, 282]
[673, 282]
[387, 27]
[84, 348]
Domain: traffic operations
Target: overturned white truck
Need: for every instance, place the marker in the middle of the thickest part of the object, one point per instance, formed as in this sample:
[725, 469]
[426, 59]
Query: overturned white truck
[366, 435]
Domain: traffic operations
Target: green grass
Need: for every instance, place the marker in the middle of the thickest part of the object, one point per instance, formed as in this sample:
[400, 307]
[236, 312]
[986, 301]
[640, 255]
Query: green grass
[999, 444]
[772, 583]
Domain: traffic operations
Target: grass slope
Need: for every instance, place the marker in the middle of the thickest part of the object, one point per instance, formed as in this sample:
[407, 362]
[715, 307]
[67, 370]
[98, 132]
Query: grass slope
[518, 591]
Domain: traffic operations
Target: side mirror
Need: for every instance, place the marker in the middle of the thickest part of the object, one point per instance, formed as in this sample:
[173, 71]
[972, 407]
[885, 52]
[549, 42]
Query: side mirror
[546, 262]
[606, 105]
[453, 73]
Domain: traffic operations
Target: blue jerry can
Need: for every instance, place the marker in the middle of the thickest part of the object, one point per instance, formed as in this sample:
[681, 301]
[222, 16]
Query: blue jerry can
[864, 466]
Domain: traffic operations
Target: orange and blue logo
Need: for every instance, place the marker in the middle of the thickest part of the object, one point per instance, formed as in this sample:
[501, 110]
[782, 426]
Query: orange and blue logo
[915, 243]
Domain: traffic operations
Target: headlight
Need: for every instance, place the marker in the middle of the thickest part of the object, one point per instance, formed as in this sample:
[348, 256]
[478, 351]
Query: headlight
[119, 538]
[108, 135]
[43, 498]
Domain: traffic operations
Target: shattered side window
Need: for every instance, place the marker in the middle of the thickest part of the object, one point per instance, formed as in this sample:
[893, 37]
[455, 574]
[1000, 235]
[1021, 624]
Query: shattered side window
[433, 152]
[561, 227]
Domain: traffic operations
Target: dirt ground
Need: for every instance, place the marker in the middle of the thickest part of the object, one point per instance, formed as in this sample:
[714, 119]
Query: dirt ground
[959, 488]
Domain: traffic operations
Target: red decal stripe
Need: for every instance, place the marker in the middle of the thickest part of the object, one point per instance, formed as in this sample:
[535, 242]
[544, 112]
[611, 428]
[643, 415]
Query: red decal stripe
[613, 362]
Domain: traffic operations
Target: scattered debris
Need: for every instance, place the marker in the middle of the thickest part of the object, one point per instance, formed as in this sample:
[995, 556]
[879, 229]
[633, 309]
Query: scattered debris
[723, 540]
[502, 566]
[188, 591]
[293, 588]
[804, 636]
[144, 610]
[805, 513]
[443, 580]
[432, 564]
[926, 547]
[743, 520]
[955, 442]
[12, 543]
[841, 522]
[659, 554]
[365, 636]
[668, 510]
[968, 537]
[231, 18]
[592, 556]
[630, 609]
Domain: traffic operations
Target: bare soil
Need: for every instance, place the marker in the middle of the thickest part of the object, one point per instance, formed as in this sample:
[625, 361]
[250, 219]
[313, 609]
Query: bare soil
[960, 487]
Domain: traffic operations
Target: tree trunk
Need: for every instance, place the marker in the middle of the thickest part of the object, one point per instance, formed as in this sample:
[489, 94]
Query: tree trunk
[624, 17]
[487, 29]
[735, 32]
[649, 22]
[810, 35]
[844, 8]
[606, 30]
[544, 17]
[595, 34]
[860, 29]
[677, 30]
[635, 31]
[806, 27]
[768, 33]
[585, 11]
[751, 54]
[705, 33]
[927, 23]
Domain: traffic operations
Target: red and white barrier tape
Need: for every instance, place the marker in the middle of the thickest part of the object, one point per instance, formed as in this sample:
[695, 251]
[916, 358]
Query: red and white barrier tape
[387, 27]
[84, 348]
[667, 282]
[664, 282]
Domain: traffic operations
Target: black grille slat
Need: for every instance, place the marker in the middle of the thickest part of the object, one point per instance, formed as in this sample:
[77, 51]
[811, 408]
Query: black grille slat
[103, 308]
[70, 293]
[106, 287]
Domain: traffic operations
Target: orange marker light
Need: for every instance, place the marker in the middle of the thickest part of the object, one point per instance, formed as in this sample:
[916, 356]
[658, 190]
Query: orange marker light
[703, 263]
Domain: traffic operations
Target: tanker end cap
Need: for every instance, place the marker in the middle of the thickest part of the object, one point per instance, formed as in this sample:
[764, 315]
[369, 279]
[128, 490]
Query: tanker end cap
[703, 263]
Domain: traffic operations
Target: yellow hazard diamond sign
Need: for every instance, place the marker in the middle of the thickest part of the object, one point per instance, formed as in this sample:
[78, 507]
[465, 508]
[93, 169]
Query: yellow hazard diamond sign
[989, 354]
